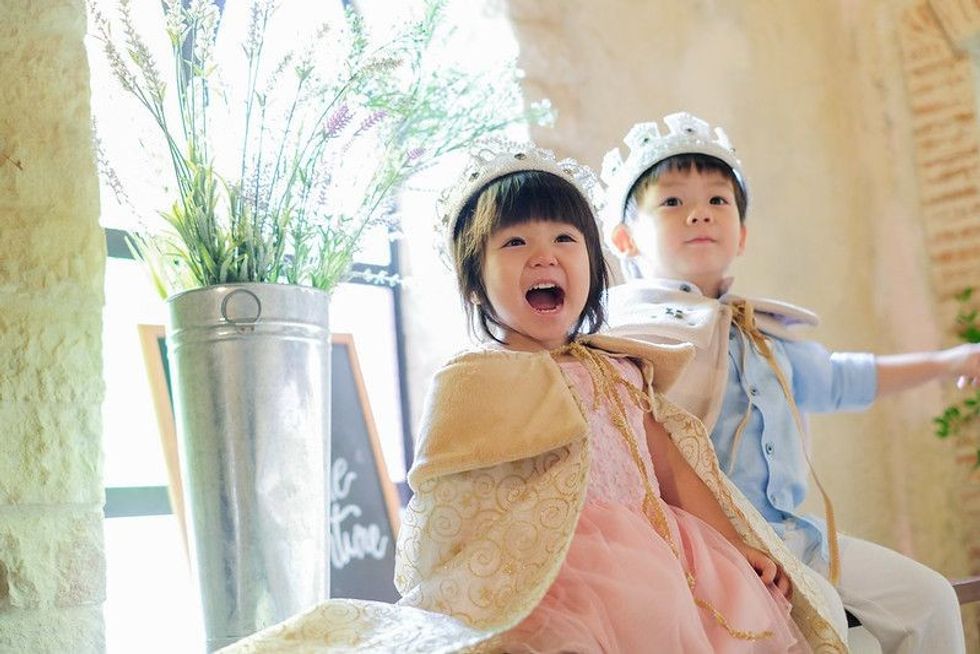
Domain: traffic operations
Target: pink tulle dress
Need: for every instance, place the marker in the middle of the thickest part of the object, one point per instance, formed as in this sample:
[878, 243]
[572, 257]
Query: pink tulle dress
[623, 589]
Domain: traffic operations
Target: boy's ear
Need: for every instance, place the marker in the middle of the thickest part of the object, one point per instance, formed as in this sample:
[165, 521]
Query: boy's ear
[743, 234]
[623, 240]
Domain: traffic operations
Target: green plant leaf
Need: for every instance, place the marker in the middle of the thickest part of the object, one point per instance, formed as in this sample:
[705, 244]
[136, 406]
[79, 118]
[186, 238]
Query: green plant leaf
[331, 132]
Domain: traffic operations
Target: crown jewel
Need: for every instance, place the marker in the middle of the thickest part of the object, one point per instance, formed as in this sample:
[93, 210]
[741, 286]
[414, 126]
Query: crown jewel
[494, 158]
[686, 134]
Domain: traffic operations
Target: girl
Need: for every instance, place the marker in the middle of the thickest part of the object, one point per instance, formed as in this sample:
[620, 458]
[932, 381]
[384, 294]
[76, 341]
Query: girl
[561, 504]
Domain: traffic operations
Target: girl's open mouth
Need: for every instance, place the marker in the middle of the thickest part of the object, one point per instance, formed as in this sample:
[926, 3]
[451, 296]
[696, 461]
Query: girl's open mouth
[545, 297]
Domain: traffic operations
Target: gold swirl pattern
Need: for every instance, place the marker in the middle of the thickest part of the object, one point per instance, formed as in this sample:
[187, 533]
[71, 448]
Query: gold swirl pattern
[529, 521]
[355, 625]
[512, 521]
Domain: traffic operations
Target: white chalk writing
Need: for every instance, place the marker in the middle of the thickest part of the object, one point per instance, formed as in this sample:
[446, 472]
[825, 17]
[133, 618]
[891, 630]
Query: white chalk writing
[354, 541]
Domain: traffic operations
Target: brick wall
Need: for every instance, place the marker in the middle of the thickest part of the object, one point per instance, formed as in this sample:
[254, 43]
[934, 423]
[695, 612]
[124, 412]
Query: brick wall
[939, 79]
[52, 569]
[940, 82]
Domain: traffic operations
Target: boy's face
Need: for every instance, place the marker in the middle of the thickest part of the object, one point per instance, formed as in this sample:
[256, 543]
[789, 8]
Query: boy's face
[687, 227]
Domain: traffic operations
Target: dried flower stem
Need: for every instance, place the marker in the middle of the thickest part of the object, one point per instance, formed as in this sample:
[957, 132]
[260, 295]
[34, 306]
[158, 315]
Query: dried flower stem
[307, 187]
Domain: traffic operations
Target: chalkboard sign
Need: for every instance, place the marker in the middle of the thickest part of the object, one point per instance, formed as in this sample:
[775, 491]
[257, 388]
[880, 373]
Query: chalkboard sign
[364, 503]
[153, 339]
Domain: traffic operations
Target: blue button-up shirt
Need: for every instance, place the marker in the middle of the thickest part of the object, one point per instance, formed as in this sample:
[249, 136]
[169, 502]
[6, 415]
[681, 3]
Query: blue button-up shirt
[770, 466]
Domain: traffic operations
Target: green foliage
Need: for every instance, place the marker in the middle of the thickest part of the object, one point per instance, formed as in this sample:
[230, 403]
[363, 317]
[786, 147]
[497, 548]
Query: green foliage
[958, 416]
[966, 317]
[322, 140]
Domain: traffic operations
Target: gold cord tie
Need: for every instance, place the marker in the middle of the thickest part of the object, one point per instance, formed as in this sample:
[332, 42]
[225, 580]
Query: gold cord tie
[605, 379]
[743, 316]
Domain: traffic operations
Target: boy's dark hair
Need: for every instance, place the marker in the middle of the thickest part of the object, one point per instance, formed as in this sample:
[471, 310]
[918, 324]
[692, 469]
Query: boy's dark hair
[702, 163]
[512, 200]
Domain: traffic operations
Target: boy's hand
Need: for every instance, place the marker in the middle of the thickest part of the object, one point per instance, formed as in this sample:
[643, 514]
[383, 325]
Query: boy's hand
[769, 572]
[899, 372]
[964, 363]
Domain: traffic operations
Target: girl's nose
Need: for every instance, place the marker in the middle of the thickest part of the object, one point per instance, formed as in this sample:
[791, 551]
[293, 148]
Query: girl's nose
[543, 257]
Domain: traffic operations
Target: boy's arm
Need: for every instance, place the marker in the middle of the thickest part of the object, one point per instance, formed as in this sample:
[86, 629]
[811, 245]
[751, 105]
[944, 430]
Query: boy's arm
[897, 372]
[680, 486]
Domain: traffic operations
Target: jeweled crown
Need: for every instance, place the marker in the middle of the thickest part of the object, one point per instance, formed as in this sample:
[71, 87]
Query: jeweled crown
[492, 159]
[686, 134]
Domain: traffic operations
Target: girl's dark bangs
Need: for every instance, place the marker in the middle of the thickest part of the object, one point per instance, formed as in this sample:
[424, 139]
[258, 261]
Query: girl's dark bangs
[535, 195]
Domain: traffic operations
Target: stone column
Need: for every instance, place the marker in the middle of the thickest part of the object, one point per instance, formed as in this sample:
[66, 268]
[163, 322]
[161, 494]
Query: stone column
[52, 257]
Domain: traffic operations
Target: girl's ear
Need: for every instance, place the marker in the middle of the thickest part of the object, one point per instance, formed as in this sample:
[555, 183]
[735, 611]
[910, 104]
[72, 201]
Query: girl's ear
[623, 240]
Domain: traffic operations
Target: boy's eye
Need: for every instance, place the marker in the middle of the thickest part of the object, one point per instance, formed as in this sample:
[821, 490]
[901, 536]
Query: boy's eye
[671, 202]
[511, 242]
[719, 200]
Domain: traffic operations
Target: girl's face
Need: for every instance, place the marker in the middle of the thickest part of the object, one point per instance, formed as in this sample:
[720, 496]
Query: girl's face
[688, 228]
[536, 276]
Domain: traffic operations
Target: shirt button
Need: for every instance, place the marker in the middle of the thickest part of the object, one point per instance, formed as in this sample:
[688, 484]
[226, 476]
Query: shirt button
[753, 391]
[686, 288]
[769, 449]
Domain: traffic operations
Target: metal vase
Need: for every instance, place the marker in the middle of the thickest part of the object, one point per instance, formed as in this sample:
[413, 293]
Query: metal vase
[250, 365]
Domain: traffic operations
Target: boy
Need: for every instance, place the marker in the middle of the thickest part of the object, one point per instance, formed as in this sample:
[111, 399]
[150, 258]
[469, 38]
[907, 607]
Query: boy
[677, 207]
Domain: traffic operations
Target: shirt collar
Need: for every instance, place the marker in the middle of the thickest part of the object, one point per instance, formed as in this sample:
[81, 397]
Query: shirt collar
[692, 288]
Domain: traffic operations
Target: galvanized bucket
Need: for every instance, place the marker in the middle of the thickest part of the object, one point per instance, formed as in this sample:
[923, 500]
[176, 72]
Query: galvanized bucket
[250, 365]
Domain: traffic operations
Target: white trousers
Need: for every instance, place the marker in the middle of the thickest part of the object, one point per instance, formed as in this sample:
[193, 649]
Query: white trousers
[906, 606]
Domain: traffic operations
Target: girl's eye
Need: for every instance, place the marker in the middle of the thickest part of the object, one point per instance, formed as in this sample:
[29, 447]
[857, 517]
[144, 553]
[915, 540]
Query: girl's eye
[671, 202]
[719, 200]
[511, 242]
[565, 238]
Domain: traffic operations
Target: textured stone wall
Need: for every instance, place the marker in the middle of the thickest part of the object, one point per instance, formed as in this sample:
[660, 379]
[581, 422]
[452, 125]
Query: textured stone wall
[52, 570]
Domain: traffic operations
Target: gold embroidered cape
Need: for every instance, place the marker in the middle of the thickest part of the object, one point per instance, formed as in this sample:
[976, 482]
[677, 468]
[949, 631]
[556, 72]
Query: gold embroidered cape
[499, 479]
[651, 310]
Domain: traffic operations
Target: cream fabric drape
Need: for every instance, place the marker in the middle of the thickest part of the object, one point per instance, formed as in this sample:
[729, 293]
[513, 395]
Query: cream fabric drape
[499, 482]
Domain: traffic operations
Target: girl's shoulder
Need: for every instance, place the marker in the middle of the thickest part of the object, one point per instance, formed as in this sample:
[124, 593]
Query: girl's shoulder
[480, 374]
[479, 409]
[491, 351]
[661, 364]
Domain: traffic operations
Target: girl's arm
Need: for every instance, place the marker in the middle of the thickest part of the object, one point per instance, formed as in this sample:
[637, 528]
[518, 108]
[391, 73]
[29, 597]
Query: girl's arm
[680, 486]
[897, 372]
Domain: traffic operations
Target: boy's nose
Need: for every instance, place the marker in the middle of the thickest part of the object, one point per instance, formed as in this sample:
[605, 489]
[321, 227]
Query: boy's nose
[699, 216]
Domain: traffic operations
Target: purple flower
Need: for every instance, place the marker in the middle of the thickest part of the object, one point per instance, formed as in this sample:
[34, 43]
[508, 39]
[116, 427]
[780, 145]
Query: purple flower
[371, 121]
[338, 121]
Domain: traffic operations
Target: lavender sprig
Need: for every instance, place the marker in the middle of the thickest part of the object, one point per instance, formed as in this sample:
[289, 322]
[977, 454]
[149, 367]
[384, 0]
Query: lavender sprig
[298, 207]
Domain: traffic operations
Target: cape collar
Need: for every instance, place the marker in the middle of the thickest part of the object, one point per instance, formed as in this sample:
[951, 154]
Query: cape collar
[678, 310]
[496, 405]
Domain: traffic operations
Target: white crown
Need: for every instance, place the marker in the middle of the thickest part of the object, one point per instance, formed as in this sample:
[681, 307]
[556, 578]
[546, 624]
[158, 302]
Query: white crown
[494, 158]
[686, 134]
